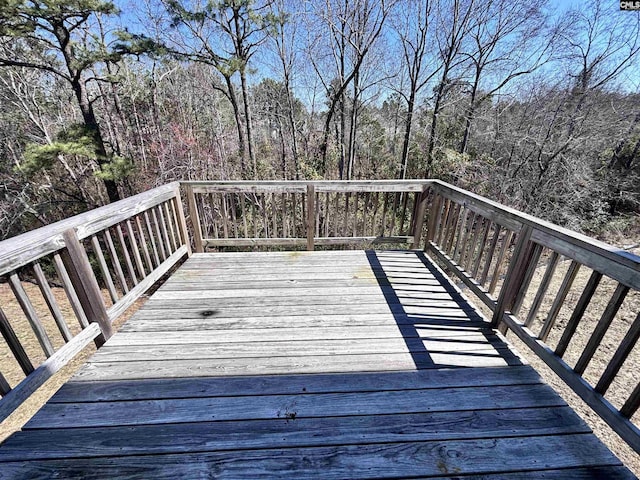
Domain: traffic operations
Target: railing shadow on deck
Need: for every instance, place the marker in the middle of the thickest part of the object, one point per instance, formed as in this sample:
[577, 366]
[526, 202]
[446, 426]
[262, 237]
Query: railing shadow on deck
[417, 329]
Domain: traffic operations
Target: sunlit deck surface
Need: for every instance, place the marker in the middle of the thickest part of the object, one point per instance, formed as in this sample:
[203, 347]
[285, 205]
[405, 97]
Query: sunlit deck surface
[340, 364]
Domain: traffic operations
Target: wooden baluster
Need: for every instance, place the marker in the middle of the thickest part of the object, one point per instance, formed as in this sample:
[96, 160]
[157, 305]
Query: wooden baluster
[578, 312]
[135, 249]
[346, 214]
[451, 229]
[63, 275]
[515, 274]
[115, 261]
[384, 214]
[213, 205]
[171, 204]
[232, 209]
[154, 247]
[274, 212]
[441, 223]
[4, 386]
[601, 328]
[243, 210]
[156, 224]
[14, 344]
[170, 226]
[31, 314]
[365, 213]
[558, 302]
[632, 404]
[501, 255]
[526, 281]
[337, 210]
[461, 234]
[52, 304]
[327, 213]
[542, 288]
[165, 235]
[394, 214]
[254, 215]
[106, 274]
[490, 253]
[623, 351]
[403, 215]
[486, 226]
[265, 219]
[355, 215]
[467, 240]
[143, 242]
[127, 258]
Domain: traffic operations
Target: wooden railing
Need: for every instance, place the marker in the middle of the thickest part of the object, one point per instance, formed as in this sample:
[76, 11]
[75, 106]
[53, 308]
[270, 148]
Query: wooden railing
[236, 214]
[539, 280]
[92, 267]
[528, 272]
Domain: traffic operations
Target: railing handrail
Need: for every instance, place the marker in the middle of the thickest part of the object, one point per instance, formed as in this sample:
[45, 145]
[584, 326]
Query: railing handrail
[512, 218]
[144, 235]
[29, 246]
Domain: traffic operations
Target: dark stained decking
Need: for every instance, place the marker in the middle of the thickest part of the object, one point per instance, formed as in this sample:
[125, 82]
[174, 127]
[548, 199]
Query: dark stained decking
[344, 364]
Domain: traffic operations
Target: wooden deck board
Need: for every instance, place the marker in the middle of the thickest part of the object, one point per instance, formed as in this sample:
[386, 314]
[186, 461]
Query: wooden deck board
[307, 365]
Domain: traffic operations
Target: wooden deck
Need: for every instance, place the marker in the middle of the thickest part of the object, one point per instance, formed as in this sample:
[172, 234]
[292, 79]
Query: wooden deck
[345, 364]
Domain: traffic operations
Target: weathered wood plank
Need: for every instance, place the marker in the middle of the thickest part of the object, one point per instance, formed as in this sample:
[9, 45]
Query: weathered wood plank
[305, 405]
[149, 389]
[453, 321]
[458, 345]
[280, 334]
[392, 460]
[353, 430]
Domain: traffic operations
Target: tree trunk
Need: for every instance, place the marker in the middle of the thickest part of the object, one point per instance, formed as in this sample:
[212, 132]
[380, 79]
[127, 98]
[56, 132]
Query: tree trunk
[91, 124]
[248, 121]
[470, 113]
[434, 126]
[407, 131]
[236, 114]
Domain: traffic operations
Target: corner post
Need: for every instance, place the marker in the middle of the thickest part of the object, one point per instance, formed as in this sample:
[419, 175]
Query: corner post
[311, 215]
[182, 221]
[515, 275]
[195, 218]
[421, 201]
[84, 282]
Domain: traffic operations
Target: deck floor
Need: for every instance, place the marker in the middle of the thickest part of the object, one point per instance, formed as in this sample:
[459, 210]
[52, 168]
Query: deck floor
[345, 364]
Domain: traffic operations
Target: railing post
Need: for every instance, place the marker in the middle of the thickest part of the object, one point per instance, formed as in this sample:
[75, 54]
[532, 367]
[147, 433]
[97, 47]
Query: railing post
[311, 215]
[182, 221]
[84, 282]
[419, 216]
[516, 272]
[195, 218]
[434, 214]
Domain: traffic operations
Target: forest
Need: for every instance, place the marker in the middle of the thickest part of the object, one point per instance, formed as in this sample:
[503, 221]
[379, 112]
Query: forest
[535, 104]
